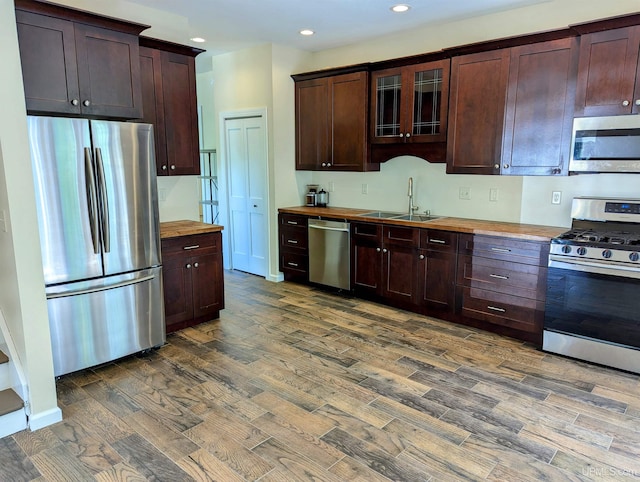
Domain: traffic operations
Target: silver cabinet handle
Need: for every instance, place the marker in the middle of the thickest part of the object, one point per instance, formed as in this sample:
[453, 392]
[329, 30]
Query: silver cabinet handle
[499, 276]
[378, 250]
[86, 103]
[173, 167]
[292, 222]
[506, 166]
[496, 166]
[501, 250]
[437, 241]
[188, 266]
[292, 241]
[195, 265]
[328, 164]
[295, 265]
[421, 256]
[193, 246]
[164, 168]
[324, 164]
[408, 135]
[495, 308]
[384, 250]
[625, 103]
[637, 101]
[74, 102]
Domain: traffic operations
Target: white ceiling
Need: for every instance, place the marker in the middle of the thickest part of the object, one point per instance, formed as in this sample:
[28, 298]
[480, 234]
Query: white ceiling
[229, 25]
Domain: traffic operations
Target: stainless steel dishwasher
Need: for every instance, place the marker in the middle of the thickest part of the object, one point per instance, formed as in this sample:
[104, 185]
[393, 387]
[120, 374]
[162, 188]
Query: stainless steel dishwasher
[329, 255]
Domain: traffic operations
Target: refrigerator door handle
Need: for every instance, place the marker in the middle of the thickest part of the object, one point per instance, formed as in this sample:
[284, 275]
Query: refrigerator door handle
[92, 199]
[84, 291]
[104, 202]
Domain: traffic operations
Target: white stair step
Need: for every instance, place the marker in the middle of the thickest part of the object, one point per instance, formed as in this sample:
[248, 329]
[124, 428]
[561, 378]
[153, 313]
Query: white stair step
[9, 401]
[5, 374]
[12, 415]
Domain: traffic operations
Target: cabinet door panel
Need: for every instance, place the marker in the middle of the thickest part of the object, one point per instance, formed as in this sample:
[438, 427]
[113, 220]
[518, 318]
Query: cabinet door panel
[539, 112]
[348, 98]
[398, 276]
[430, 102]
[366, 268]
[180, 113]
[437, 280]
[608, 72]
[152, 101]
[49, 69]
[312, 124]
[207, 285]
[476, 112]
[108, 72]
[178, 300]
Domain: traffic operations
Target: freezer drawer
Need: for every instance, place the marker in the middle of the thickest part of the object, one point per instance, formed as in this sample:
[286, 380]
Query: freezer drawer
[94, 324]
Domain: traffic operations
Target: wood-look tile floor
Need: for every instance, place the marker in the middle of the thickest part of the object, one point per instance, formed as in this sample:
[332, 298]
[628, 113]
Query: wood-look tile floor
[293, 383]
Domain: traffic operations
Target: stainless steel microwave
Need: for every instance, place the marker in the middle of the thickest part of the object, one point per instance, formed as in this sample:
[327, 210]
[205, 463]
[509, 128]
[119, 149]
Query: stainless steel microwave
[605, 144]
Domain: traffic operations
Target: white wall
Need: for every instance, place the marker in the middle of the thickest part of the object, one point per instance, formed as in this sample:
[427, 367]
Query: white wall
[22, 297]
[520, 199]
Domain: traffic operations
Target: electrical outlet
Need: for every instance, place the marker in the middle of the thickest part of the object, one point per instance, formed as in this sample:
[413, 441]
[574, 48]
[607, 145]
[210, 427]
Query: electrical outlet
[493, 194]
[332, 186]
[556, 197]
[162, 194]
[365, 189]
[465, 193]
[3, 221]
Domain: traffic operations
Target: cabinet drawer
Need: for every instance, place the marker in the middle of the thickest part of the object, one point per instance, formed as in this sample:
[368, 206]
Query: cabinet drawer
[507, 249]
[294, 238]
[294, 262]
[502, 276]
[501, 309]
[293, 221]
[195, 244]
[401, 236]
[366, 231]
[438, 240]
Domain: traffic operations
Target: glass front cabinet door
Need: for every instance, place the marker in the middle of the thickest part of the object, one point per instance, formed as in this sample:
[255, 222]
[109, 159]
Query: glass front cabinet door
[410, 103]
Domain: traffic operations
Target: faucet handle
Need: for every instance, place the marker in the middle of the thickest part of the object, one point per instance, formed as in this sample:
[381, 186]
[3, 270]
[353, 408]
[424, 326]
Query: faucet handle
[427, 212]
[414, 208]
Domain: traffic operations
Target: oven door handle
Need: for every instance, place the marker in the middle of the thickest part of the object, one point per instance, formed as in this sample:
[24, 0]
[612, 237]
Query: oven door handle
[574, 264]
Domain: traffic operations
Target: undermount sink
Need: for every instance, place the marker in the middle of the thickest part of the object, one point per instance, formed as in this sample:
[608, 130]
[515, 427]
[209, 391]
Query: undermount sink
[380, 214]
[400, 216]
[417, 217]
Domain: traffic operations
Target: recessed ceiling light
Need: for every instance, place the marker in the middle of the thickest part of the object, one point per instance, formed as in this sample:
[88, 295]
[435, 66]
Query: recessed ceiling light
[400, 8]
[198, 39]
[306, 31]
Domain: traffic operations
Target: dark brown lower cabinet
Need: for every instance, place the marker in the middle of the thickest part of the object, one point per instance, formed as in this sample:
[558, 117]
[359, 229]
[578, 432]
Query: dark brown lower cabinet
[193, 279]
[293, 243]
[437, 272]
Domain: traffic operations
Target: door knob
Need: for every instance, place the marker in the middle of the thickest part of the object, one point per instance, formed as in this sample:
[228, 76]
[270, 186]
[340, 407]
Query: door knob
[195, 265]
[625, 103]
[164, 168]
[637, 101]
[378, 250]
[421, 256]
[173, 167]
[86, 103]
[74, 102]
[188, 266]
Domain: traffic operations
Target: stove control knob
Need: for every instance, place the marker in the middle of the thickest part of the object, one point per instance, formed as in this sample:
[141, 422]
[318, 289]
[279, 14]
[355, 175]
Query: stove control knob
[607, 253]
[634, 256]
[566, 249]
[582, 251]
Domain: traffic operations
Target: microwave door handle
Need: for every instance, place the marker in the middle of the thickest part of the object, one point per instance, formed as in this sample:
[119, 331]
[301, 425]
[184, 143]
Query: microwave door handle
[92, 199]
[104, 203]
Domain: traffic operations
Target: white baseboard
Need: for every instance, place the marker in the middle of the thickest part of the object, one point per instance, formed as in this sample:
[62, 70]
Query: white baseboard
[276, 278]
[44, 419]
[13, 422]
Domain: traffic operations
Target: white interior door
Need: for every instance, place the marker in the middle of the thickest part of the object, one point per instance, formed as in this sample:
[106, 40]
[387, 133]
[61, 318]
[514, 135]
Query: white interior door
[246, 157]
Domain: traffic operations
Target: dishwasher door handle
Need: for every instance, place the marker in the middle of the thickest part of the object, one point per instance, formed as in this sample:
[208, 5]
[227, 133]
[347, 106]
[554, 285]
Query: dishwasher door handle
[325, 228]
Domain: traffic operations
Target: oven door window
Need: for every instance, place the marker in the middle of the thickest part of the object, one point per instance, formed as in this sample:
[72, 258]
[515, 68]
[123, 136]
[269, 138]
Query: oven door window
[607, 144]
[595, 306]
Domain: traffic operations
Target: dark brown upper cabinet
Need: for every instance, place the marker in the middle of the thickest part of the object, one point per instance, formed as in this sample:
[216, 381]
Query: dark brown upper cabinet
[331, 123]
[539, 109]
[168, 78]
[78, 63]
[476, 112]
[609, 73]
[409, 104]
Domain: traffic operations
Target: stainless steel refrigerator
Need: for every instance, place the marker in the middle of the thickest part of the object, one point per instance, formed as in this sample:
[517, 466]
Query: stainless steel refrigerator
[96, 197]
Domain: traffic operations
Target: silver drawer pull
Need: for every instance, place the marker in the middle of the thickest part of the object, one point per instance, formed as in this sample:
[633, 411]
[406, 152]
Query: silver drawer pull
[292, 241]
[501, 250]
[292, 222]
[295, 265]
[499, 276]
[495, 308]
[195, 246]
[439, 241]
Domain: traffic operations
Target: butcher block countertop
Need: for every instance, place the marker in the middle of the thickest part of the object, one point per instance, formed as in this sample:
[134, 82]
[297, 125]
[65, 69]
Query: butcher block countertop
[529, 232]
[173, 229]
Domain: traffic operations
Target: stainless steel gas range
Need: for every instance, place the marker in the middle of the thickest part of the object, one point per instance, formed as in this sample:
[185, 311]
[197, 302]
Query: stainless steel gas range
[593, 288]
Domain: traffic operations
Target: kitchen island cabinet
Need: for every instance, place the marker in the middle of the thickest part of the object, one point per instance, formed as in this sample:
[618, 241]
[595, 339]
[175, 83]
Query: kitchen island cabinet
[192, 277]
[609, 73]
[78, 63]
[169, 95]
